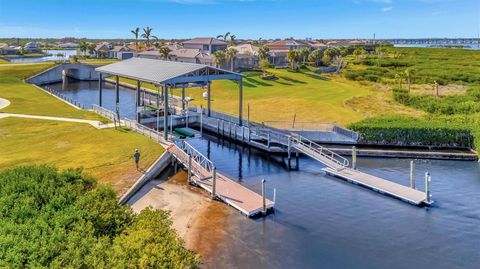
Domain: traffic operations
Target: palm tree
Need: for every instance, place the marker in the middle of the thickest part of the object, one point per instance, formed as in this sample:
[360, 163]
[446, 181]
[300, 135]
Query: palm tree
[230, 56]
[232, 40]
[399, 76]
[316, 56]
[135, 32]
[304, 54]
[147, 32]
[219, 57]
[264, 52]
[164, 51]
[83, 46]
[292, 57]
[224, 37]
[91, 48]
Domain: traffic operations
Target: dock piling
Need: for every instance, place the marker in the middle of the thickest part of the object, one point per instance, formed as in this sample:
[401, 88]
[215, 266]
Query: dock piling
[427, 187]
[189, 176]
[354, 157]
[412, 177]
[264, 207]
[214, 183]
[289, 151]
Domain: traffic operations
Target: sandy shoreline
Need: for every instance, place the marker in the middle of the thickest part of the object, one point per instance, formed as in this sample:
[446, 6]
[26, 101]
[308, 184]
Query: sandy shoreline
[197, 219]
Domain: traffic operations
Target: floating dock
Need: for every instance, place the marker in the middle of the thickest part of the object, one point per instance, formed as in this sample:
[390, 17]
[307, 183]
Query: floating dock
[203, 174]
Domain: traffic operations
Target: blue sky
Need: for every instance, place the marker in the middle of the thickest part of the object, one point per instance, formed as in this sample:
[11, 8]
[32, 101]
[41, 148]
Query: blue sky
[245, 18]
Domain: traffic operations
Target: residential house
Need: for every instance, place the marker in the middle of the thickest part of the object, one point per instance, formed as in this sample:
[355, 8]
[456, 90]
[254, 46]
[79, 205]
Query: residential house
[32, 47]
[102, 49]
[206, 45]
[117, 52]
[287, 45]
[247, 57]
[7, 50]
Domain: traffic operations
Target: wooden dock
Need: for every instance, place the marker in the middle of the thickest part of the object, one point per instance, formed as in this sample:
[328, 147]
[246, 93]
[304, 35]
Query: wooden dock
[232, 193]
[380, 185]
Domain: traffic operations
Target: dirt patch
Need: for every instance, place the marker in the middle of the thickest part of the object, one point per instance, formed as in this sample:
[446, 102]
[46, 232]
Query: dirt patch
[200, 221]
[380, 104]
[443, 90]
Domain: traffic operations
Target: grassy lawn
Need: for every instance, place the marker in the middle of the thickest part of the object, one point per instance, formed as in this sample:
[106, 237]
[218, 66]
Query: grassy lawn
[105, 154]
[3, 61]
[312, 97]
[27, 99]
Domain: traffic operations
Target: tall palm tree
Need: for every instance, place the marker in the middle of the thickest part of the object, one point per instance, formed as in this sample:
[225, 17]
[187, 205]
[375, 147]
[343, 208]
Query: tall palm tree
[147, 32]
[83, 46]
[224, 37]
[135, 32]
[230, 56]
[232, 40]
[91, 48]
[264, 52]
[219, 57]
[164, 52]
[292, 57]
[304, 54]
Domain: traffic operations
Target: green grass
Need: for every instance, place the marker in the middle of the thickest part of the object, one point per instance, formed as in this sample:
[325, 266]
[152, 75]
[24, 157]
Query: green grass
[310, 96]
[27, 99]
[106, 154]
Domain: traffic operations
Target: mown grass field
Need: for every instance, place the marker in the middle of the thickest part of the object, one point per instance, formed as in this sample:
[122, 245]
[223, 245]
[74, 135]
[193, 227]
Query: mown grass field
[27, 99]
[105, 154]
[309, 96]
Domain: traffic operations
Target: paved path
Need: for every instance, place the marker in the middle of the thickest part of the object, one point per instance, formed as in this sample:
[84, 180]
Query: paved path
[4, 103]
[94, 123]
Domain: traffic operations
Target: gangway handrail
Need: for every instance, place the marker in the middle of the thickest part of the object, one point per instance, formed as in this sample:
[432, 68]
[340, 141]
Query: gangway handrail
[323, 151]
[197, 156]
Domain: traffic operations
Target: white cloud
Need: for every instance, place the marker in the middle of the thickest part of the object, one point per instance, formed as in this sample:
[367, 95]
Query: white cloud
[387, 9]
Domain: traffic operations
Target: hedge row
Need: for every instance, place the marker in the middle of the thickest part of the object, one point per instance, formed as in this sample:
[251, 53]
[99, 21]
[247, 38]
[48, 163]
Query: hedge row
[408, 131]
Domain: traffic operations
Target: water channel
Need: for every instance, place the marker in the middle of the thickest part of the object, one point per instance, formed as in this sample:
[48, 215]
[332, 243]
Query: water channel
[324, 222]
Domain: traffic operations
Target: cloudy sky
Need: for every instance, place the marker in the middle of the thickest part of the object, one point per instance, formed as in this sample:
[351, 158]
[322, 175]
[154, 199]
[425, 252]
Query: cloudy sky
[245, 18]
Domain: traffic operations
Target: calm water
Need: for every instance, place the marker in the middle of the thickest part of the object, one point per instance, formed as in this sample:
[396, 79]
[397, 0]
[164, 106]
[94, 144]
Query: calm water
[323, 222]
[53, 57]
[86, 92]
[472, 46]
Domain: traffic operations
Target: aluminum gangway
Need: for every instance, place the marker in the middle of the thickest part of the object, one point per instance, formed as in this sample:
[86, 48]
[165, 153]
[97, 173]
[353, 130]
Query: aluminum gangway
[338, 166]
[203, 173]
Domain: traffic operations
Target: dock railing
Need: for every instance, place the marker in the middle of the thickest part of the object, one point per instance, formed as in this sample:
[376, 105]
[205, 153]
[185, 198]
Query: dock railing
[198, 157]
[312, 147]
[64, 97]
[150, 133]
[105, 112]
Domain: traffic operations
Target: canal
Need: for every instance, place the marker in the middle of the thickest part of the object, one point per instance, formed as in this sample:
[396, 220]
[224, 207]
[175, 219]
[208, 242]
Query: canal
[324, 222]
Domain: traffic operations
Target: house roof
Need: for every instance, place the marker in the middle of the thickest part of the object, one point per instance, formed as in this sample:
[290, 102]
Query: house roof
[118, 48]
[101, 45]
[163, 72]
[205, 41]
[248, 49]
[288, 42]
[185, 53]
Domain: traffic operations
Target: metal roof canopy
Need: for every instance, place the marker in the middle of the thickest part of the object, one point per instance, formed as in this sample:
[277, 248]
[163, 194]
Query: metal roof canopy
[161, 72]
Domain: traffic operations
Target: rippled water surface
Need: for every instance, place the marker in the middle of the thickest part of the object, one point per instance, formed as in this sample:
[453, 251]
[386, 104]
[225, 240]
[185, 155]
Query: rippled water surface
[325, 222]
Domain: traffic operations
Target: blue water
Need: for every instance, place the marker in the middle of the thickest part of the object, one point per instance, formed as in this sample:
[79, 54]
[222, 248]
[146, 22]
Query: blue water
[53, 56]
[324, 222]
[86, 93]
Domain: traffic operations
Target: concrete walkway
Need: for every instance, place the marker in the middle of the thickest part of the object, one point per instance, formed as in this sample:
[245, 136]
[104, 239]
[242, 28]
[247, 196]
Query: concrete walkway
[4, 103]
[94, 123]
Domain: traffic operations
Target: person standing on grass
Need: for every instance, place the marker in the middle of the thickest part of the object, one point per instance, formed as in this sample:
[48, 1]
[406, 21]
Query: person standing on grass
[136, 155]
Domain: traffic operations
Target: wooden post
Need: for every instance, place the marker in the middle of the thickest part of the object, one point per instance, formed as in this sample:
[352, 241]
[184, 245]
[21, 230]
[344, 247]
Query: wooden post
[412, 178]
[289, 151]
[100, 86]
[137, 100]
[427, 187]
[248, 114]
[218, 126]
[209, 99]
[214, 183]
[189, 174]
[354, 157]
[201, 120]
[240, 102]
[264, 204]
[158, 119]
[165, 113]
[117, 95]
[183, 98]
[268, 139]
